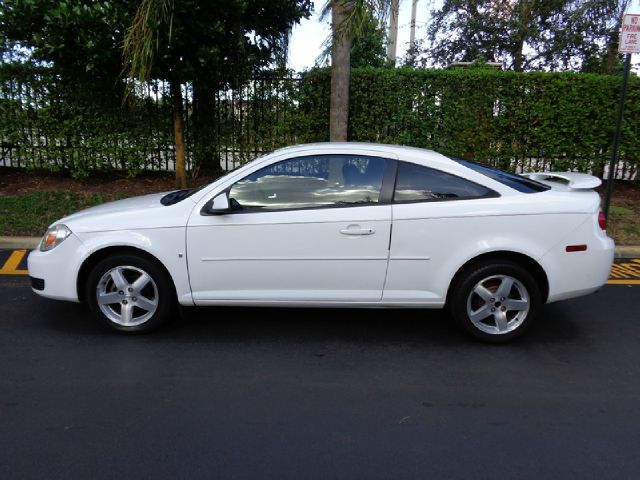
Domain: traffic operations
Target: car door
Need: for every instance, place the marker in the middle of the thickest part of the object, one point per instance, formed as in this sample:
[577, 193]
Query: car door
[436, 216]
[312, 228]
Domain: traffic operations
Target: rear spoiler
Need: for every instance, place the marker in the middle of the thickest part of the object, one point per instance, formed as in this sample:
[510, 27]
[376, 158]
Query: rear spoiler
[577, 181]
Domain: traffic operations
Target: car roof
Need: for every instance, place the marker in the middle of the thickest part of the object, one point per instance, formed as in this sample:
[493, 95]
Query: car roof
[352, 146]
[403, 152]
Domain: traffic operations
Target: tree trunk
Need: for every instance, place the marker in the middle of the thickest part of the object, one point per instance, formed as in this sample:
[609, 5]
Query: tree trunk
[340, 70]
[518, 56]
[412, 34]
[612, 56]
[205, 155]
[178, 133]
[393, 33]
[524, 15]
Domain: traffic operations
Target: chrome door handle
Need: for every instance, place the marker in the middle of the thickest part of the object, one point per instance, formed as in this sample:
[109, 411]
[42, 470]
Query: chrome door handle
[358, 231]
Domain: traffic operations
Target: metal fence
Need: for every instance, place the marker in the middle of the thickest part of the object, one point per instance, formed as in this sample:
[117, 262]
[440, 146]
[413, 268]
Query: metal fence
[43, 125]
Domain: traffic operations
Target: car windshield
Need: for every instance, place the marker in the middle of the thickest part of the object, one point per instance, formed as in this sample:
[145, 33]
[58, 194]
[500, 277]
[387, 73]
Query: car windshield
[517, 182]
[179, 195]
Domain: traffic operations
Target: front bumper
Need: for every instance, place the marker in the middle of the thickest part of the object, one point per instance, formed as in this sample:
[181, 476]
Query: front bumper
[37, 283]
[57, 270]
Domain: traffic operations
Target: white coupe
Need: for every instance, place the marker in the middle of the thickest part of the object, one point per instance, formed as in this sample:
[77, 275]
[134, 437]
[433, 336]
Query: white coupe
[338, 225]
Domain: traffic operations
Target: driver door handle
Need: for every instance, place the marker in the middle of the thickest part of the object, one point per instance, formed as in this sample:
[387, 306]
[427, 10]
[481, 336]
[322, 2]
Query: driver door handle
[357, 231]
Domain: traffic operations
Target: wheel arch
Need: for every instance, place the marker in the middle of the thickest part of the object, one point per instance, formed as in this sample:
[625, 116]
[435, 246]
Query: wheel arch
[521, 259]
[99, 255]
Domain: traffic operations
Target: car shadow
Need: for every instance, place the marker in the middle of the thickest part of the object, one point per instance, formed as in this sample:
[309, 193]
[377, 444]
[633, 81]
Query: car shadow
[365, 326]
[413, 326]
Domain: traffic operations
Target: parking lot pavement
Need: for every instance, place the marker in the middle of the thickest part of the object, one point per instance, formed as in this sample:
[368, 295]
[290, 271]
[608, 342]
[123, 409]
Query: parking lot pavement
[308, 393]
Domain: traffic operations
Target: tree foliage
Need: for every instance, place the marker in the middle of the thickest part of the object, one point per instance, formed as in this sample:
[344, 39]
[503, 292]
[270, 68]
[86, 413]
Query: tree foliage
[367, 46]
[217, 39]
[81, 39]
[526, 34]
[222, 41]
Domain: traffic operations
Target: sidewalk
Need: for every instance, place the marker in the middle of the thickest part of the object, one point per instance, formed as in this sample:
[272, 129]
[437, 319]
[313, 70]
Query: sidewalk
[626, 251]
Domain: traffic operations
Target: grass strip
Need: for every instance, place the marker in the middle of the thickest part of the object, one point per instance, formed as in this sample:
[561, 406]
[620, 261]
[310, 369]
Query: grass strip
[32, 213]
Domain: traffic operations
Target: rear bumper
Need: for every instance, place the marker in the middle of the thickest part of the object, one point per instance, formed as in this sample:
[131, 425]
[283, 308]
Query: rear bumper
[574, 274]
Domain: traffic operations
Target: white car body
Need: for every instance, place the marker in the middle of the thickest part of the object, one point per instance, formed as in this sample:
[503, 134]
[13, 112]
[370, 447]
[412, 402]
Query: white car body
[401, 255]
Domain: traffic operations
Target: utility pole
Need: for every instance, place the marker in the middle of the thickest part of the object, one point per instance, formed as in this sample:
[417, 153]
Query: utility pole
[412, 34]
[393, 32]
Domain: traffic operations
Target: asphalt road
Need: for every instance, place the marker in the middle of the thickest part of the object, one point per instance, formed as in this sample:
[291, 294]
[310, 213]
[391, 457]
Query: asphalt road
[302, 394]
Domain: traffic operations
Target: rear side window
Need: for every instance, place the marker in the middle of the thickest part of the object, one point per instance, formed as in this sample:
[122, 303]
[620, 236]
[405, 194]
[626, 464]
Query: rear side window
[416, 183]
[521, 184]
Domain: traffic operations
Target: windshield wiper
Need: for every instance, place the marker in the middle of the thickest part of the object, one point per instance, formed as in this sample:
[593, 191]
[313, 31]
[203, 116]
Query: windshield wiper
[175, 197]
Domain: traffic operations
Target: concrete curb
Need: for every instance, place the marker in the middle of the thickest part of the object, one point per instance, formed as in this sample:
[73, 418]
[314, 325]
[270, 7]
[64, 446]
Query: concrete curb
[626, 251]
[19, 242]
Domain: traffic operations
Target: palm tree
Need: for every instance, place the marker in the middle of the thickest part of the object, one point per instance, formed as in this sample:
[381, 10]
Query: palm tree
[346, 15]
[341, 12]
[393, 32]
[152, 18]
[412, 34]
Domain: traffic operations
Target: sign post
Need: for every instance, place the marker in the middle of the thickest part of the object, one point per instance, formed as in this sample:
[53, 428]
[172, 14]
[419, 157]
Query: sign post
[629, 43]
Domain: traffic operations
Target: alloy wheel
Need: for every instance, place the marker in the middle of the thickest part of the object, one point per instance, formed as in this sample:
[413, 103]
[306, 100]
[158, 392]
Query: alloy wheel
[127, 295]
[498, 304]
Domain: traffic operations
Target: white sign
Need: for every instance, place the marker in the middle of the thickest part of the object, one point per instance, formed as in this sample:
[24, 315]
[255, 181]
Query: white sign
[630, 35]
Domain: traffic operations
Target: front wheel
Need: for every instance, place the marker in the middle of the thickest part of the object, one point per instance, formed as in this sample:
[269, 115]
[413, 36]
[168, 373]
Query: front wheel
[495, 301]
[130, 293]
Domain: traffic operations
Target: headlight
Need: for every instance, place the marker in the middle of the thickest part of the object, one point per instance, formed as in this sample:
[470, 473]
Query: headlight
[54, 237]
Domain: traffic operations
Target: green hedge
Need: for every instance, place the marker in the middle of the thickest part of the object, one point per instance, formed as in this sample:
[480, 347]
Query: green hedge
[530, 120]
[514, 120]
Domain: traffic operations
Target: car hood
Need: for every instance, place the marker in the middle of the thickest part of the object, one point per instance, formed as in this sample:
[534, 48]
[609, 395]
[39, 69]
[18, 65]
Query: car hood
[144, 211]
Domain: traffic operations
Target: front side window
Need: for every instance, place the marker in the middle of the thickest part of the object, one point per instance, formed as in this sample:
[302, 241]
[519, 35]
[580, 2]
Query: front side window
[416, 183]
[311, 181]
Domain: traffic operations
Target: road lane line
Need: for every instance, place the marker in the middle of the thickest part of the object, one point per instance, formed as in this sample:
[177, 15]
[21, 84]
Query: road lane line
[623, 282]
[11, 265]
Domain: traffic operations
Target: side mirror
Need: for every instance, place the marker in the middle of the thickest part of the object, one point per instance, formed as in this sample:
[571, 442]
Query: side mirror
[218, 206]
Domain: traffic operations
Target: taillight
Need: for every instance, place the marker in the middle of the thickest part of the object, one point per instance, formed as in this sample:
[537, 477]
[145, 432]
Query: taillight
[602, 220]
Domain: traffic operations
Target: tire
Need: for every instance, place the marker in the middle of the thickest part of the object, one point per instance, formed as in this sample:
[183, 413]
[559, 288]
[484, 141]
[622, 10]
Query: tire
[130, 293]
[495, 301]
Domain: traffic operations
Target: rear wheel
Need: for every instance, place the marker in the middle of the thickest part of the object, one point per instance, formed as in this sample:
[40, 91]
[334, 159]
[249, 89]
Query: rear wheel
[130, 293]
[495, 301]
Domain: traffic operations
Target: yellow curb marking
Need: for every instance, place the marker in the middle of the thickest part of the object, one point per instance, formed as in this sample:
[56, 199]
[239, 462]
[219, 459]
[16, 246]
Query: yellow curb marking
[627, 273]
[11, 265]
